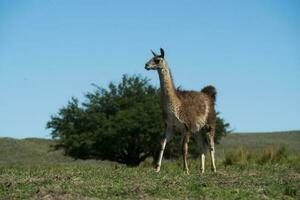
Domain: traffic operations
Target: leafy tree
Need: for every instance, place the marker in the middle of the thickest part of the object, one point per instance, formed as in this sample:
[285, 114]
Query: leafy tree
[121, 123]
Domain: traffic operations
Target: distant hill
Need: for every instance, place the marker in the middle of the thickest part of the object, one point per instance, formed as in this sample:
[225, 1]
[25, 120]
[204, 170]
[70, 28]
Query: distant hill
[34, 150]
[29, 150]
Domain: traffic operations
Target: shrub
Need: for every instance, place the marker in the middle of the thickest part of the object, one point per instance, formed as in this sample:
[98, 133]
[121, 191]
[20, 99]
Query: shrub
[120, 123]
[241, 156]
[267, 155]
[244, 156]
[272, 155]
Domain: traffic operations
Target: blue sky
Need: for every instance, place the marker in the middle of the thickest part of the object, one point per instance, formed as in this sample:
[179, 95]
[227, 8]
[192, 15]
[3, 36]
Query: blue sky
[53, 50]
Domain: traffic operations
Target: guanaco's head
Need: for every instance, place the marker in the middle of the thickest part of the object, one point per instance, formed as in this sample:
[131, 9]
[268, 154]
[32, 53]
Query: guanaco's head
[157, 62]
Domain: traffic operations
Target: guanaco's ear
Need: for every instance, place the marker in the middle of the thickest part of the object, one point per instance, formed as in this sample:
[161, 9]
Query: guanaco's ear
[154, 54]
[162, 53]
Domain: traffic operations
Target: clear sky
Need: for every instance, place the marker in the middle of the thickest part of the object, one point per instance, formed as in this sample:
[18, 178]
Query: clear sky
[52, 50]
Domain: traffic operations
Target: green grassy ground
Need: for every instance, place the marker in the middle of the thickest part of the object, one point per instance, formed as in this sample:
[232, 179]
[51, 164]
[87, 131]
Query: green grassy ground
[30, 170]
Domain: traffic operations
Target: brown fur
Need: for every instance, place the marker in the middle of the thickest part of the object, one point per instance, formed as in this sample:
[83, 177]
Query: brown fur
[193, 106]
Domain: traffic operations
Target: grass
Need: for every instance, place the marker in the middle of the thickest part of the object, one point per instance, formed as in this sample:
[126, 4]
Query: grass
[110, 181]
[29, 170]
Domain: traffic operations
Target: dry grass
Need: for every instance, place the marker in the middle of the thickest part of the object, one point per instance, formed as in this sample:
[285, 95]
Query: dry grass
[270, 154]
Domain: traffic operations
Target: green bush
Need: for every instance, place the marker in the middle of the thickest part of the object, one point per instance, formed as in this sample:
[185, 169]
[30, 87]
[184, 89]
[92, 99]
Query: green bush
[120, 123]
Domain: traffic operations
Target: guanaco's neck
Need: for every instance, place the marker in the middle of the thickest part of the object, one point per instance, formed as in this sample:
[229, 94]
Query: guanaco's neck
[168, 93]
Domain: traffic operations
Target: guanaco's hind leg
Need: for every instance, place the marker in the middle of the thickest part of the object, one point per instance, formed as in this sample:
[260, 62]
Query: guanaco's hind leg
[202, 146]
[211, 144]
[212, 149]
[210, 135]
[185, 141]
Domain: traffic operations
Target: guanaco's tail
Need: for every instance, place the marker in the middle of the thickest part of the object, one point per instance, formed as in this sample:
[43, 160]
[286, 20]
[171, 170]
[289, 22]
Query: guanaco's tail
[210, 91]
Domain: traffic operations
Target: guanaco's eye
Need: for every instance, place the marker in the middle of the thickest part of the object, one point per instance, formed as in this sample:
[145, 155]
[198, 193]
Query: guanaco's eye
[156, 61]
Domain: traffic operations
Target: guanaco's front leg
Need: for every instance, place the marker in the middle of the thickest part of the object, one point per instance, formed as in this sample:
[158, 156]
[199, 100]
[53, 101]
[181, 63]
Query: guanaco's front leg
[167, 136]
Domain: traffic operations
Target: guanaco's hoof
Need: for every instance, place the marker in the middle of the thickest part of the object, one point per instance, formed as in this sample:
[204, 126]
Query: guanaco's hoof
[186, 172]
[157, 169]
